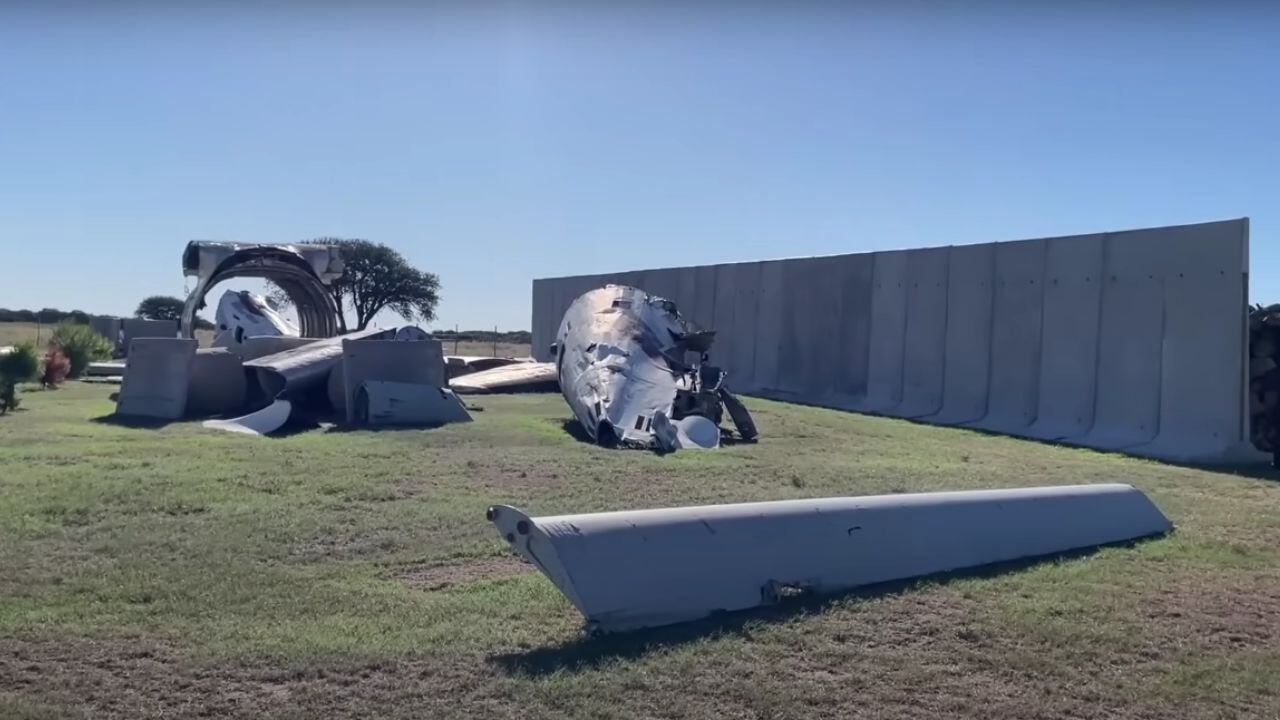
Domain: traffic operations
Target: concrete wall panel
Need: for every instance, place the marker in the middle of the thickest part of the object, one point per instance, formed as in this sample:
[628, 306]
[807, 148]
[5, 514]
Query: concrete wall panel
[1017, 311]
[703, 309]
[725, 350]
[924, 349]
[746, 300]
[1126, 409]
[821, 354]
[888, 332]
[796, 331]
[686, 291]
[853, 351]
[770, 309]
[970, 292]
[1203, 382]
[1069, 356]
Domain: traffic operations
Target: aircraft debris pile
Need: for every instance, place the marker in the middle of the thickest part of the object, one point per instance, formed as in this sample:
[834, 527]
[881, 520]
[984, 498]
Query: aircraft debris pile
[1264, 378]
[263, 372]
[622, 357]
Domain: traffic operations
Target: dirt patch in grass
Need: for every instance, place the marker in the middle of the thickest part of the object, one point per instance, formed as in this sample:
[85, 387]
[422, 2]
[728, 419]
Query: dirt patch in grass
[1228, 612]
[144, 678]
[438, 577]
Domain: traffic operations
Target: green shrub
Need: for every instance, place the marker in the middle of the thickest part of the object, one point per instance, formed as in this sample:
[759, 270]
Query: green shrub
[19, 365]
[81, 345]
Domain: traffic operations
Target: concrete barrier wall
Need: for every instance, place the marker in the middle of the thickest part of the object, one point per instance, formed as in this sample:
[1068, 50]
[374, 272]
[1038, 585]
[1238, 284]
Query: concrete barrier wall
[1132, 341]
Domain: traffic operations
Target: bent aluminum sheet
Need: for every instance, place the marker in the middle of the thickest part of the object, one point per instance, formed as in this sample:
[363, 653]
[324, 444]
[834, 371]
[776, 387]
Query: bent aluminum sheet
[261, 422]
[307, 366]
[517, 377]
[395, 403]
[643, 568]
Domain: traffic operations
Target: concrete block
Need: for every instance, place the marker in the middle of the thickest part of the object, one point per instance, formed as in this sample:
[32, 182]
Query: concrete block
[924, 348]
[970, 293]
[419, 362]
[1069, 358]
[156, 378]
[217, 384]
[1013, 395]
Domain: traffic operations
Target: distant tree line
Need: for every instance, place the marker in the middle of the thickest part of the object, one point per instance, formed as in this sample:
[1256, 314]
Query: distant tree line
[48, 316]
[53, 316]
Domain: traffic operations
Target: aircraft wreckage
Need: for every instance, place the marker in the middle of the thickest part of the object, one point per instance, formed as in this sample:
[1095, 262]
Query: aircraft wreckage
[263, 371]
[645, 568]
[622, 359]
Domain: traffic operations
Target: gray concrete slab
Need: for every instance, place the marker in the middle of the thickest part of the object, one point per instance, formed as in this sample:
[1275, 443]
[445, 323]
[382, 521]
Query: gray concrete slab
[970, 291]
[685, 294]
[770, 307]
[746, 325]
[821, 351]
[888, 332]
[1013, 395]
[156, 378]
[1127, 402]
[419, 362]
[724, 351]
[855, 279]
[799, 329]
[703, 310]
[1203, 412]
[1069, 356]
[924, 348]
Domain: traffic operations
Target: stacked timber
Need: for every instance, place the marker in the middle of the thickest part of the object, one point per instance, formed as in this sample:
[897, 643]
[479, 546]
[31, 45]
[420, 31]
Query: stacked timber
[1264, 377]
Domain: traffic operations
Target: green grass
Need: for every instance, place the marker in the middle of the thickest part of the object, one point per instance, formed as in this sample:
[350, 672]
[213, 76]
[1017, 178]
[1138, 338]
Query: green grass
[180, 572]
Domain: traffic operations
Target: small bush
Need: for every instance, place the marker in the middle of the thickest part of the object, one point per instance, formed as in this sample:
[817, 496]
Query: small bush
[17, 366]
[56, 367]
[81, 345]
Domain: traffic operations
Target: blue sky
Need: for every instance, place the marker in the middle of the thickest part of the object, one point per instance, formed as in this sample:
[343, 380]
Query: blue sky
[495, 143]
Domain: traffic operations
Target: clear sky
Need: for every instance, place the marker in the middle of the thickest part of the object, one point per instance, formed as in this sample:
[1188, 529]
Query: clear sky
[495, 143]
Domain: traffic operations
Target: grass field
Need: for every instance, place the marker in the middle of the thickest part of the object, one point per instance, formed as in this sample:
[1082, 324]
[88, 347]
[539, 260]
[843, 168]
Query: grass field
[178, 572]
[12, 333]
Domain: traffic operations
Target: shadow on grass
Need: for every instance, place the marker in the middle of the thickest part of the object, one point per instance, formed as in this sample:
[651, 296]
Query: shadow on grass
[133, 421]
[590, 652]
[575, 430]
[1261, 470]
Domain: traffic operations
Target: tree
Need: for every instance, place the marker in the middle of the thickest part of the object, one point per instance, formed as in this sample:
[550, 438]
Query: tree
[160, 307]
[376, 278]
